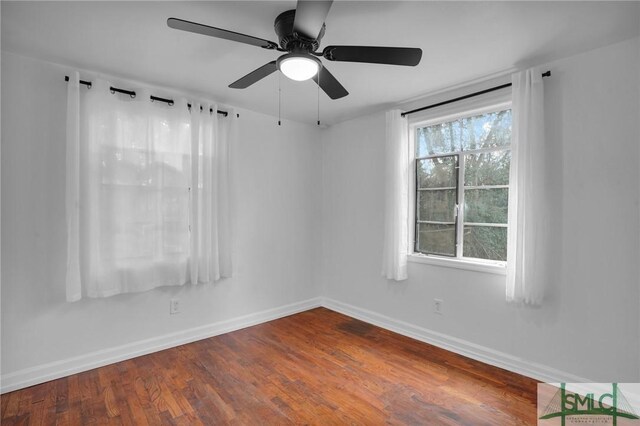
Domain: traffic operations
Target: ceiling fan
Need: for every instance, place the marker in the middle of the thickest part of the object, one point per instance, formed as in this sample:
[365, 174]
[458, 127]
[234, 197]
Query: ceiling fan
[300, 32]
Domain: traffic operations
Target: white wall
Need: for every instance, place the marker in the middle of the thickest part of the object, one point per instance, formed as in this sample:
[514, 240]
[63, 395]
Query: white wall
[277, 175]
[309, 219]
[589, 327]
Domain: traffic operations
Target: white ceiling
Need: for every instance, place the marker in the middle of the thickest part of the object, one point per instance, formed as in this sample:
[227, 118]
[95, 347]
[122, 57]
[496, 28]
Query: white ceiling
[461, 41]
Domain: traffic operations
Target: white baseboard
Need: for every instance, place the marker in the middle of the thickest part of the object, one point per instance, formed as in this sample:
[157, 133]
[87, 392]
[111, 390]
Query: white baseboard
[43, 373]
[459, 346]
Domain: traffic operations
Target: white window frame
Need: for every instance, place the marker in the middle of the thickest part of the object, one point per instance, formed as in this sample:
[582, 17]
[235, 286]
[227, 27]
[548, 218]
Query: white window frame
[492, 102]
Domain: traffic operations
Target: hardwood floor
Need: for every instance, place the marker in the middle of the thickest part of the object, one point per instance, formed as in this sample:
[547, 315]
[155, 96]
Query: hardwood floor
[316, 367]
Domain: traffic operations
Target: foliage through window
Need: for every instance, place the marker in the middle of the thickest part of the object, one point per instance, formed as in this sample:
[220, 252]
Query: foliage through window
[462, 186]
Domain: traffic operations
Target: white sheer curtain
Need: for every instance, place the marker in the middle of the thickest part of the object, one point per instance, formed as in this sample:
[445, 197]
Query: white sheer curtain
[396, 209]
[134, 190]
[211, 221]
[72, 206]
[528, 205]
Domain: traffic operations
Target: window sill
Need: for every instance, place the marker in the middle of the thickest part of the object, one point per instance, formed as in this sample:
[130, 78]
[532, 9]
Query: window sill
[498, 268]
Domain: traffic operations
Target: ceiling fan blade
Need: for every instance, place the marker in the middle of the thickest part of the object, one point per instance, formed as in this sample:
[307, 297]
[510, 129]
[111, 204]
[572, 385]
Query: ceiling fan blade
[310, 16]
[255, 76]
[372, 54]
[180, 24]
[329, 84]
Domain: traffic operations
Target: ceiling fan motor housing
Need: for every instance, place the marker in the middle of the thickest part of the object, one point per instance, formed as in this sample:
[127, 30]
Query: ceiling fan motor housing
[289, 39]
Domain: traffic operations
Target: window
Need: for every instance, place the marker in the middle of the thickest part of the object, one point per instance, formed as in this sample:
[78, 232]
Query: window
[145, 179]
[462, 185]
[152, 180]
[138, 208]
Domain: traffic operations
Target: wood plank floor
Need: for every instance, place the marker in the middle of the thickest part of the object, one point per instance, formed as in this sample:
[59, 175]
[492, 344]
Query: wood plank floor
[316, 367]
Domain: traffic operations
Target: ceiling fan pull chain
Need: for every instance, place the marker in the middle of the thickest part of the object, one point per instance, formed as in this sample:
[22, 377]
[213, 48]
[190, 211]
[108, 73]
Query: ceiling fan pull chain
[279, 100]
[318, 85]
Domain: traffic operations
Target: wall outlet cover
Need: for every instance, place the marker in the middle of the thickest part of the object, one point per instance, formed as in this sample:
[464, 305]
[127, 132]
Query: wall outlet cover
[174, 306]
[437, 306]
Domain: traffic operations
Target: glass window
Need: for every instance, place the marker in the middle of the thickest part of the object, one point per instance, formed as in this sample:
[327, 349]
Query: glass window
[462, 186]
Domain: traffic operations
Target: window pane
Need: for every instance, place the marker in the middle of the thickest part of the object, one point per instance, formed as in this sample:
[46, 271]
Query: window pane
[489, 168]
[436, 239]
[438, 139]
[129, 235]
[486, 205]
[485, 242]
[437, 172]
[174, 169]
[479, 131]
[175, 240]
[486, 130]
[437, 205]
[174, 203]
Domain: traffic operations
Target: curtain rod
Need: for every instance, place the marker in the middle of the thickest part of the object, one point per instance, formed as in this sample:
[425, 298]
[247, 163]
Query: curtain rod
[482, 92]
[153, 98]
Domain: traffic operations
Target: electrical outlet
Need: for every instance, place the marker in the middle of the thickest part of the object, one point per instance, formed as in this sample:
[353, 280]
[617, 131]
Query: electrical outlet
[437, 306]
[174, 306]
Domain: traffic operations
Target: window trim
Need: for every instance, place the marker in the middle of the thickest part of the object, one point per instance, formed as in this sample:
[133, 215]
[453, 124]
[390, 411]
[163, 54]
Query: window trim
[482, 105]
[488, 266]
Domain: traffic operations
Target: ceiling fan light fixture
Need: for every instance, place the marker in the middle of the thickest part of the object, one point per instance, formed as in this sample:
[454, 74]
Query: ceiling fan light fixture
[299, 66]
